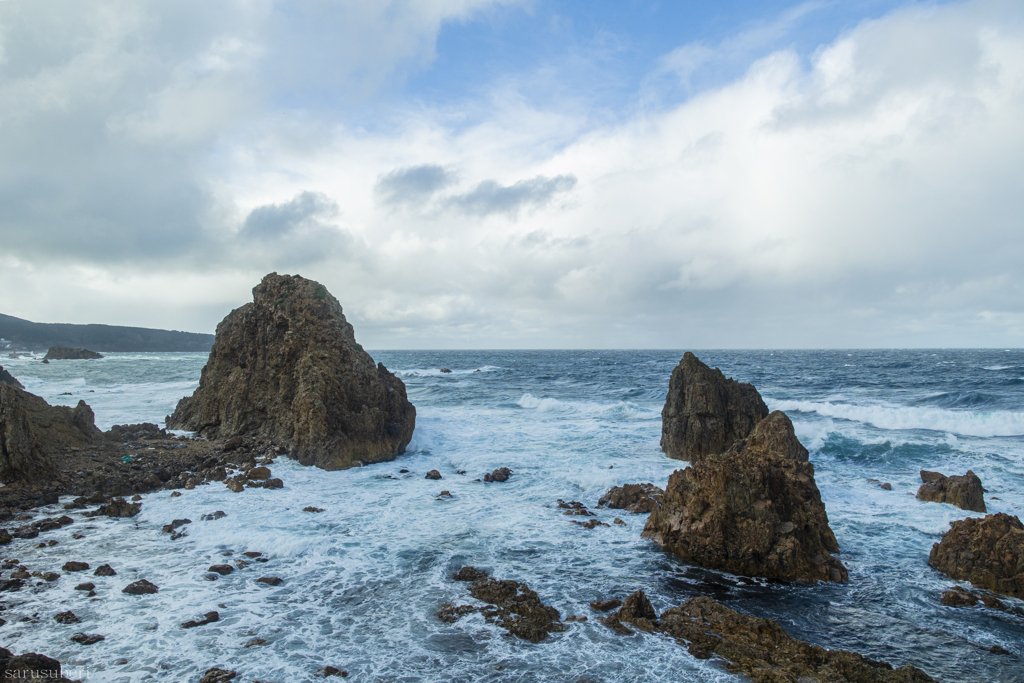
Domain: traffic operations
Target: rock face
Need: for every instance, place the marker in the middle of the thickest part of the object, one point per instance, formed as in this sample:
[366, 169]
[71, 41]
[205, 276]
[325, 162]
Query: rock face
[753, 510]
[965, 492]
[760, 648]
[64, 353]
[705, 412]
[987, 552]
[8, 378]
[287, 367]
[33, 433]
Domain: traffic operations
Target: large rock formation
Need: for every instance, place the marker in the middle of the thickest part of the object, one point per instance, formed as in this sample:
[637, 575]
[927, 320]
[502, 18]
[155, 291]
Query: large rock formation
[753, 510]
[64, 353]
[965, 492]
[287, 367]
[33, 434]
[987, 552]
[705, 412]
[8, 378]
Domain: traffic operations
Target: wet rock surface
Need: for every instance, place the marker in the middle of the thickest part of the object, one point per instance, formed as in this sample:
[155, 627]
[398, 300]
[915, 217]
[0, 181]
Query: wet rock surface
[140, 587]
[9, 379]
[207, 618]
[705, 412]
[217, 675]
[753, 510]
[499, 475]
[635, 498]
[988, 552]
[287, 367]
[965, 492]
[512, 605]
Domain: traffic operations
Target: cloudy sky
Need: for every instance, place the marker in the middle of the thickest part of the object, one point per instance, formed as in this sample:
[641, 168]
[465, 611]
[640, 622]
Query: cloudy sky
[522, 173]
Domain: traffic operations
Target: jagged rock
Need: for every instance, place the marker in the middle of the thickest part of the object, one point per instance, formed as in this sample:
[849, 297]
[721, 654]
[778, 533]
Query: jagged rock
[499, 475]
[104, 570]
[258, 473]
[117, 507]
[468, 573]
[331, 671]
[754, 510]
[33, 435]
[287, 367]
[87, 639]
[65, 353]
[705, 412]
[958, 596]
[8, 378]
[170, 528]
[760, 648]
[208, 618]
[5, 537]
[256, 642]
[311, 508]
[216, 675]
[635, 498]
[636, 610]
[987, 552]
[136, 432]
[605, 605]
[965, 492]
[449, 613]
[516, 608]
[213, 516]
[270, 580]
[68, 617]
[140, 587]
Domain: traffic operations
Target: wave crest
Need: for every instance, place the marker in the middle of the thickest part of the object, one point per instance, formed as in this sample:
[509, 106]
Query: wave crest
[966, 423]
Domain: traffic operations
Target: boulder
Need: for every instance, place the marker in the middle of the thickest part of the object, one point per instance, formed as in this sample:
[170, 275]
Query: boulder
[33, 435]
[87, 638]
[30, 666]
[73, 566]
[763, 651]
[9, 379]
[705, 412]
[499, 475]
[104, 570]
[753, 510]
[270, 580]
[216, 675]
[988, 552]
[287, 368]
[68, 617]
[65, 353]
[433, 474]
[635, 498]
[965, 492]
[140, 587]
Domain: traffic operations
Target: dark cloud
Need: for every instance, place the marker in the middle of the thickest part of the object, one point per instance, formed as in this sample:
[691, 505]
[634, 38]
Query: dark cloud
[490, 197]
[412, 184]
[277, 220]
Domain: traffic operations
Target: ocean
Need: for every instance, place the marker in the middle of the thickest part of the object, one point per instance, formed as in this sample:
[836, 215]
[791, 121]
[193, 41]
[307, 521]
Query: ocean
[363, 579]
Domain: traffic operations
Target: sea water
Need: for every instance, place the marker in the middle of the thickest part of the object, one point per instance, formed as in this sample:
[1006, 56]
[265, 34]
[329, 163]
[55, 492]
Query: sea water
[363, 579]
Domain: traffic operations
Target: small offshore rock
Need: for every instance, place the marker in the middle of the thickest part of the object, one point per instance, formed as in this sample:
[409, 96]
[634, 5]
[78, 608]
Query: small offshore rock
[169, 528]
[252, 554]
[87, 586]
[270, 580]
[50, 576]
[575, 617]
[988, 552]
[333, 671]
[222, 569]
[73, 566]
[499, 475]
[216, 675]
[886, 486]
[140, 587]
[219, 514]
[965, 492]
[256, 642]
[635, 498]
[68, 617]
[433, 474]
[175, 494]
[605, 605]
[87, 639]
[208, 618]
[449, 613]
[310, 508]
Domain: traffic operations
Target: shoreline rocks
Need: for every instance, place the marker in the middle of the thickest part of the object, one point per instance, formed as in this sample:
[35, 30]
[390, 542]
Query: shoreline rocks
[65, 353]
[512, 605]
[988, 552]
[966, 492]
[287, 367]
[635, 498]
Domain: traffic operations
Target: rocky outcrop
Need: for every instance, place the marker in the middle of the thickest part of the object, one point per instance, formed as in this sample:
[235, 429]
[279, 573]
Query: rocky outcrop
[287, 366]
[30, 666]
[705, 412]
[754, 509]
[635, 498]
[965, 492]
[64, 353]
[8, 378]
[762, 650]
[511, 604]
[33, 434]
[987, 552]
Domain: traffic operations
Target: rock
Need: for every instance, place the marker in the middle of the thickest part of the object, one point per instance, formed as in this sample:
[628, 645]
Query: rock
[704, 412]
[175, 494]
[5, 537]
[65, 353]
[499, 475]
[331, 671]
[444, 494]
[104, 570]
[208, 618]
[8, 378]
[449, 613]
[960, 597]
[270, 580]
[68, 617]
[469, 574]
[87, 639]
[87, 586]
[235, 485]
[218, 514]
[287, 367]
[763, 651]
[35, 435]
[635, 498]
[516, 608]
[754, 510]
[32, 666]
[258, 473]
[117, 507]
[310, 508]
[252, 554]
[169, 528]
[50, 576]
[433, 474]
[256, 642]
[575, 617]
[222, 569]
[140, 587]
[75, 566]
[965, 492]
[445, 371]
[12, 584]
[589, 524]
[886, 486]
[636, 610]
[216, 675]
[987, 552]
[997, 650]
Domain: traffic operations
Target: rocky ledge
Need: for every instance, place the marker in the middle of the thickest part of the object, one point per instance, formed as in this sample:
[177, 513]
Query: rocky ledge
[64, 353]
[754, 509]
[987, 552]
[287, 367]
[965, 492]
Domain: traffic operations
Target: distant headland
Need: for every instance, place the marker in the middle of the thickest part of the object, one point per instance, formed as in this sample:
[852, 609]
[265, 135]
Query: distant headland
[24, 335]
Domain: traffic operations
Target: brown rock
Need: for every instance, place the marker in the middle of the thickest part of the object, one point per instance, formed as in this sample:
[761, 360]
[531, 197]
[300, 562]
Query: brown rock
[68, 617]
[65, 353]
[965, 492]
[287, 367]
[256, 642]
[705, 412]
[469, 574]
[332, 671]
[258, 473]
[754, 510]
[310, 508]
[222, 569]
[635, 498]
[117, 507]
[8, 378]
[208, 618]
[449, 613]
[987, 552]
[31, 666]
[216, 675]
[270, 580]
[605, 605]
[235, 484]
[75, 566]
[433, 474]
[760, 648]
[140, 587]
[516, 608]
[87, 586]
[499, 475]
[87, 639]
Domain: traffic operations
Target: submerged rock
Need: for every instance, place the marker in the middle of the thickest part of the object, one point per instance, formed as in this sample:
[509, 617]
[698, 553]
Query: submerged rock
[65, 353]
[987, 552]
[287, 367]
[753, 510]
[705, 412]
[965, 492]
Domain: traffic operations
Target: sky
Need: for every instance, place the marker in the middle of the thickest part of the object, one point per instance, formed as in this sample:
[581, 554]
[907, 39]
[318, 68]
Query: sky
[522, 173]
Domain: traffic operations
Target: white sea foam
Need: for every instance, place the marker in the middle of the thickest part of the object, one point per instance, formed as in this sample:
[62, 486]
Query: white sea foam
[966, 423]
[998, 367]
[625, 410]
[435, 372]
